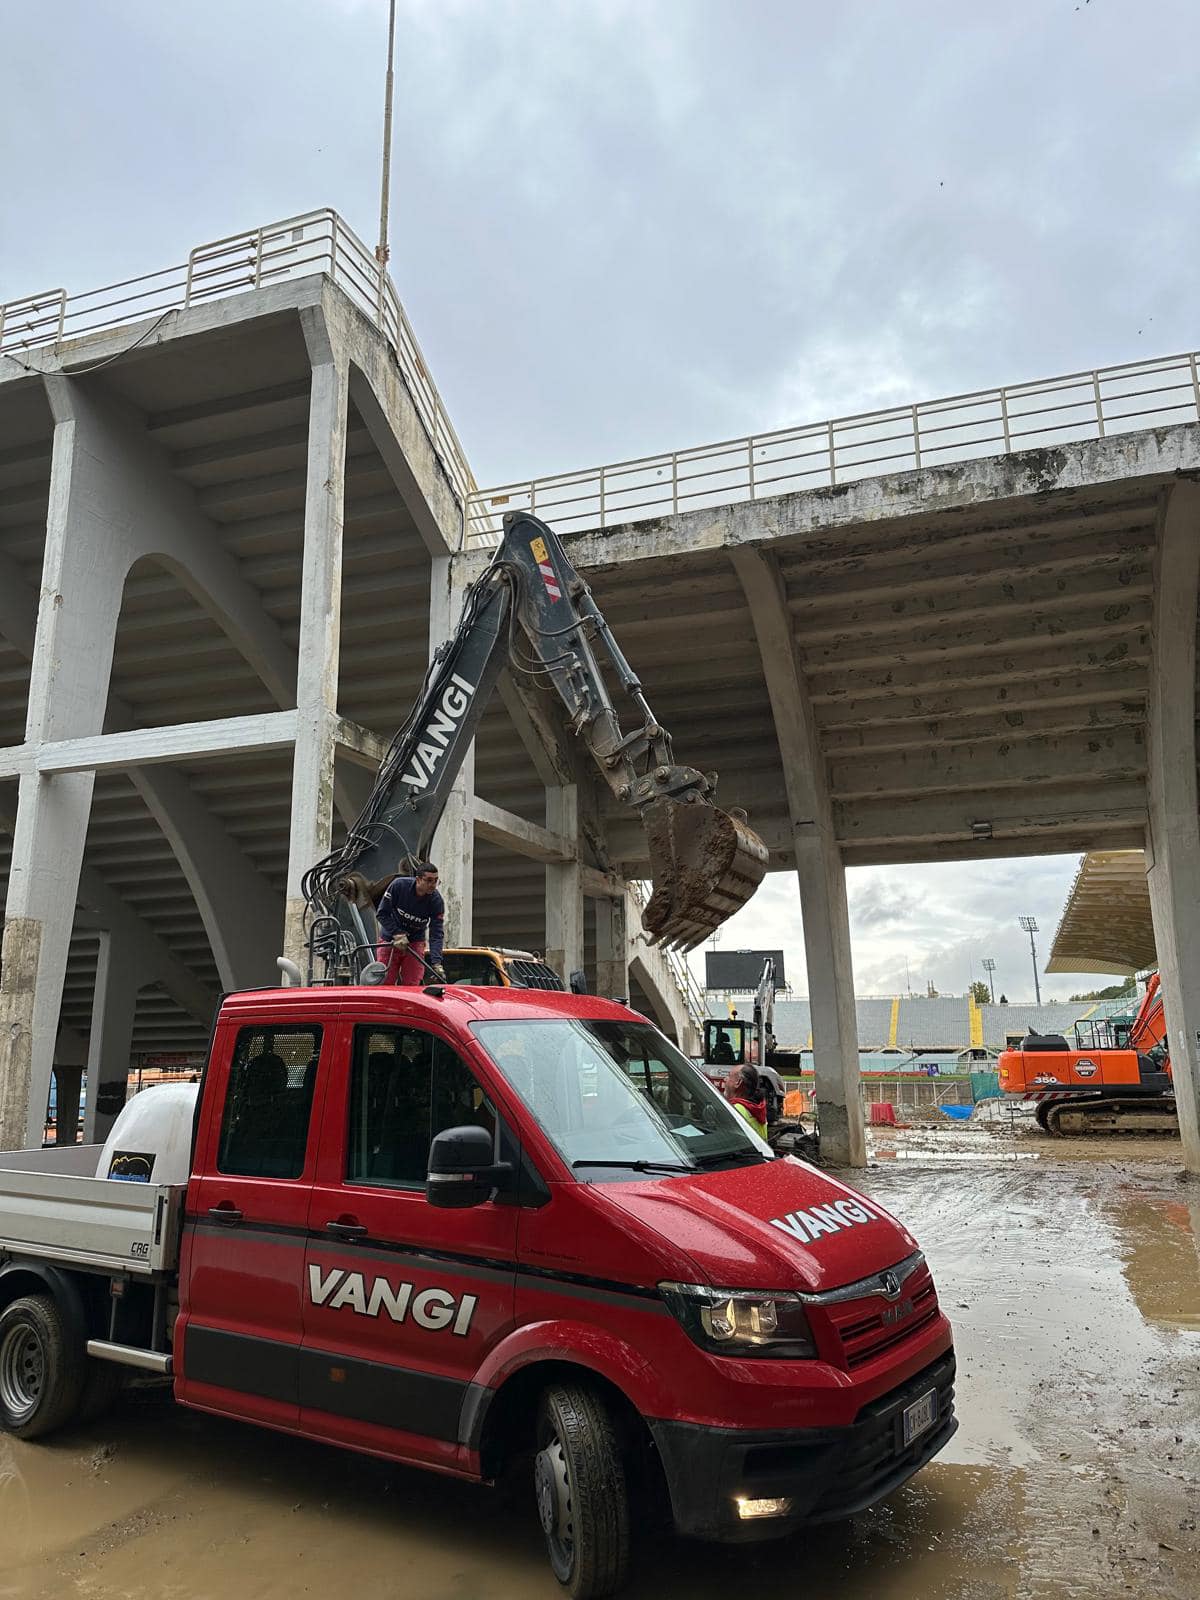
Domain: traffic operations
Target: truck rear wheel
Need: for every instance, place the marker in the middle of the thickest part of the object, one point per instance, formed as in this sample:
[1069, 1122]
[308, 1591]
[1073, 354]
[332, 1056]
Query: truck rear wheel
[582, 1495]
[42, 1368]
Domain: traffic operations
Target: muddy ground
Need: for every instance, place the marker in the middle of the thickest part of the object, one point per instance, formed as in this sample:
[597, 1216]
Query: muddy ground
[1070, 1272]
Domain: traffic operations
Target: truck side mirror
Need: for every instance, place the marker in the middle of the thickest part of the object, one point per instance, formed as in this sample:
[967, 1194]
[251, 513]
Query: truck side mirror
[462, 1169]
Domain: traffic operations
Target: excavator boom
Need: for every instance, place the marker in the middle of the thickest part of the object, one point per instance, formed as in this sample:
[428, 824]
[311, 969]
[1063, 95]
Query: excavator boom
[532, 612]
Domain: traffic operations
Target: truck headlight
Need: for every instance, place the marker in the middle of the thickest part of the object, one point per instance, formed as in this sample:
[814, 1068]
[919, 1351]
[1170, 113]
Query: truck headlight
[742, 1322]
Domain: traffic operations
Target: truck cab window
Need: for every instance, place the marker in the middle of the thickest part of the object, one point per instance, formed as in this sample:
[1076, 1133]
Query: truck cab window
[406, 1086]
[264, 1129]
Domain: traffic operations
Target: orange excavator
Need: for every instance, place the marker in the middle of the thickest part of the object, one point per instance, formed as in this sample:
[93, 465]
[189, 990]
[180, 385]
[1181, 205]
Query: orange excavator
[1116, 1078]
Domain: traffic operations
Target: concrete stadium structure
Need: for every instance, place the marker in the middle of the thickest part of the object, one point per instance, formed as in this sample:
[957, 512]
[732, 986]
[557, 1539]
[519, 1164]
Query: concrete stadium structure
[914, 1023]
[234, 519]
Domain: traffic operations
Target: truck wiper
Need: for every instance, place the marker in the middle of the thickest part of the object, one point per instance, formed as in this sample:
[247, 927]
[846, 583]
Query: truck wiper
[638, 1166]
[714, 1157]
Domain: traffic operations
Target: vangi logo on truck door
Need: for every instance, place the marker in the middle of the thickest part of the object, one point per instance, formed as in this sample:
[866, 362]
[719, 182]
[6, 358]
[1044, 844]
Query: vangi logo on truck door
[442, 726]
[435, 1309]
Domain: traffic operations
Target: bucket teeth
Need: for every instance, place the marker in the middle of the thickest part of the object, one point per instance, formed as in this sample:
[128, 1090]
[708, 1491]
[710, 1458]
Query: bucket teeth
[705, 865]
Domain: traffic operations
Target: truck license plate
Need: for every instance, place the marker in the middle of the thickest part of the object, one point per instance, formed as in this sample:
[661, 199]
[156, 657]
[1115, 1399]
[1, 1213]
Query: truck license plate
[919, 1416]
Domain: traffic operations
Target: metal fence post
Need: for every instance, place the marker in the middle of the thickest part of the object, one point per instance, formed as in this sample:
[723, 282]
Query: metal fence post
[675, 484]
[916, 437]
[62, 317]
[1191, 364]
[1004, 422]
[258, 255]
[1099, 403]
[832, 458]
[750, 464]
[602, 488]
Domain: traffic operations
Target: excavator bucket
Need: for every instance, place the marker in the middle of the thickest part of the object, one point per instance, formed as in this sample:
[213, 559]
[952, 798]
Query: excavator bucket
[705, 864]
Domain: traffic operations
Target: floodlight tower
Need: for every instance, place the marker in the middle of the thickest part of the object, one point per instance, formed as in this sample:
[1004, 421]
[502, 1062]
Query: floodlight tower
[989, 966]
[1030, 926]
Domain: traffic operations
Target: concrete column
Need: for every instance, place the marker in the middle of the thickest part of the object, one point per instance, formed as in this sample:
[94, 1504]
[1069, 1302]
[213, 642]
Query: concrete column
[68, 1081]
[826, 919]
[83, 576]
[454, 841]
[110, 1043]
[320, 629]
[612, 949]
[819, 867]
[564, 887]
[1173, 834]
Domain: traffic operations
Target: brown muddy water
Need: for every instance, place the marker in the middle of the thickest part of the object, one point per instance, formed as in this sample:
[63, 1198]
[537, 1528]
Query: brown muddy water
[1071, 1275]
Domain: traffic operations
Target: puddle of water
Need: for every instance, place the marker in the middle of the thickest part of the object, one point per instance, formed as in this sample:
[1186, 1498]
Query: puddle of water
[994, 1157]
[258, 1518]
[1159, 1256]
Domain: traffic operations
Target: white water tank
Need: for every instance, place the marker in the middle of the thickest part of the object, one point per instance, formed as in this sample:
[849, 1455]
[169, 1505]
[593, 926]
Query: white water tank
[151, 1140]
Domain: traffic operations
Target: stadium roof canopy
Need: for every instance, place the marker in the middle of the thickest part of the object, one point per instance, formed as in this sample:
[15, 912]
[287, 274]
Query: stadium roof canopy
[1105, 925]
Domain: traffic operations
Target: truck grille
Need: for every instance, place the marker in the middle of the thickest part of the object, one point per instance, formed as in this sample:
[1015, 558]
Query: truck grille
[870, 1326]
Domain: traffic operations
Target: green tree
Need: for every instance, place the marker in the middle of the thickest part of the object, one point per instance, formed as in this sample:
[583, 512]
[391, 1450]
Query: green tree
[1115, 991]
[980, 993]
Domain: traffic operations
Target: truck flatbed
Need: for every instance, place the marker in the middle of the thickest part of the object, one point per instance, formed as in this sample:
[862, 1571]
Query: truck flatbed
[54, 1208]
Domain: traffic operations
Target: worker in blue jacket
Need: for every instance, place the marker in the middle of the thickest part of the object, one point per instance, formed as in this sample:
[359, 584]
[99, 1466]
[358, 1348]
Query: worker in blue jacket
[412, 917]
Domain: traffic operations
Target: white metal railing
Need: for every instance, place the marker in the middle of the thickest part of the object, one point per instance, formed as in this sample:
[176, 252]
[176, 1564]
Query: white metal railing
[315, 241]
[1050, 411]
[685, 979]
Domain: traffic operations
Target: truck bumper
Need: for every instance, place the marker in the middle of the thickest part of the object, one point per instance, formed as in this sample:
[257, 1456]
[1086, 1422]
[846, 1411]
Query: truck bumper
[822, 1473]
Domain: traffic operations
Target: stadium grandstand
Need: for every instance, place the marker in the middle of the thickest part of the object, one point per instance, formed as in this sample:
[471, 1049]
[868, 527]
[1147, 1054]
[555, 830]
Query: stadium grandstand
[929, 1026]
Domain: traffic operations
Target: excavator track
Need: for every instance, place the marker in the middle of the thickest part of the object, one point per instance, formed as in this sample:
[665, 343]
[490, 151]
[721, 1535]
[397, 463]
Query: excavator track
[1142, 1117]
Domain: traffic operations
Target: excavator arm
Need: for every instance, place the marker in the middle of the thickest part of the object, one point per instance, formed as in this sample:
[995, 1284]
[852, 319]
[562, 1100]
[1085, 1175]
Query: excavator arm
[531, 611]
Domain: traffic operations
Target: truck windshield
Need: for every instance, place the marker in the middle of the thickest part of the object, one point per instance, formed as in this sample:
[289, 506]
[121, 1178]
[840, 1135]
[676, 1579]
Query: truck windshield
[616, 1098]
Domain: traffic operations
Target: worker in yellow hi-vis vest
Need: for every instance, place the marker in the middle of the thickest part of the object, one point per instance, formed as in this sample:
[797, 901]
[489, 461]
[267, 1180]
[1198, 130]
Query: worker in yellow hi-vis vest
[744, 1093]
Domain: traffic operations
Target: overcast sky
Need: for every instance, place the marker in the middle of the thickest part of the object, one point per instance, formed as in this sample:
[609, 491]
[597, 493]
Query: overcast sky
[621, 226]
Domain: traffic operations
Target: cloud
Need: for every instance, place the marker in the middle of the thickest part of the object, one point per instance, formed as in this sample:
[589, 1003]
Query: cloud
[914, 925]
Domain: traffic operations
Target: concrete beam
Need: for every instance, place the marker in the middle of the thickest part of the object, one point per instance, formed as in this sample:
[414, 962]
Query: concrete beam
[1088, 630]
[1173, 833]
[182, 741]
[360, 745]
[523, 838]
[1103, 755]
[1091, 810]
[1007, 704]
[935, 562]
[819, 868]
[220, 315]
[1023, 480]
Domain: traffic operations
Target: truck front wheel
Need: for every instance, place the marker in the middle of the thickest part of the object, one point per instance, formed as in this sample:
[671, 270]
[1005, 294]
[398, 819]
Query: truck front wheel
[582, 1496]
[42, 1367]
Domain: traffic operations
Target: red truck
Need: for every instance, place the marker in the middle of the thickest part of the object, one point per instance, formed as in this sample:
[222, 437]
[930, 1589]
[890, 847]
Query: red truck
[478, 1230]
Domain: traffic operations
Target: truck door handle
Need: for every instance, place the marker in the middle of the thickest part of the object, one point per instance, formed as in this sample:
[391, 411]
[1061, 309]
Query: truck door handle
[346, 1229]
[225, 1213]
